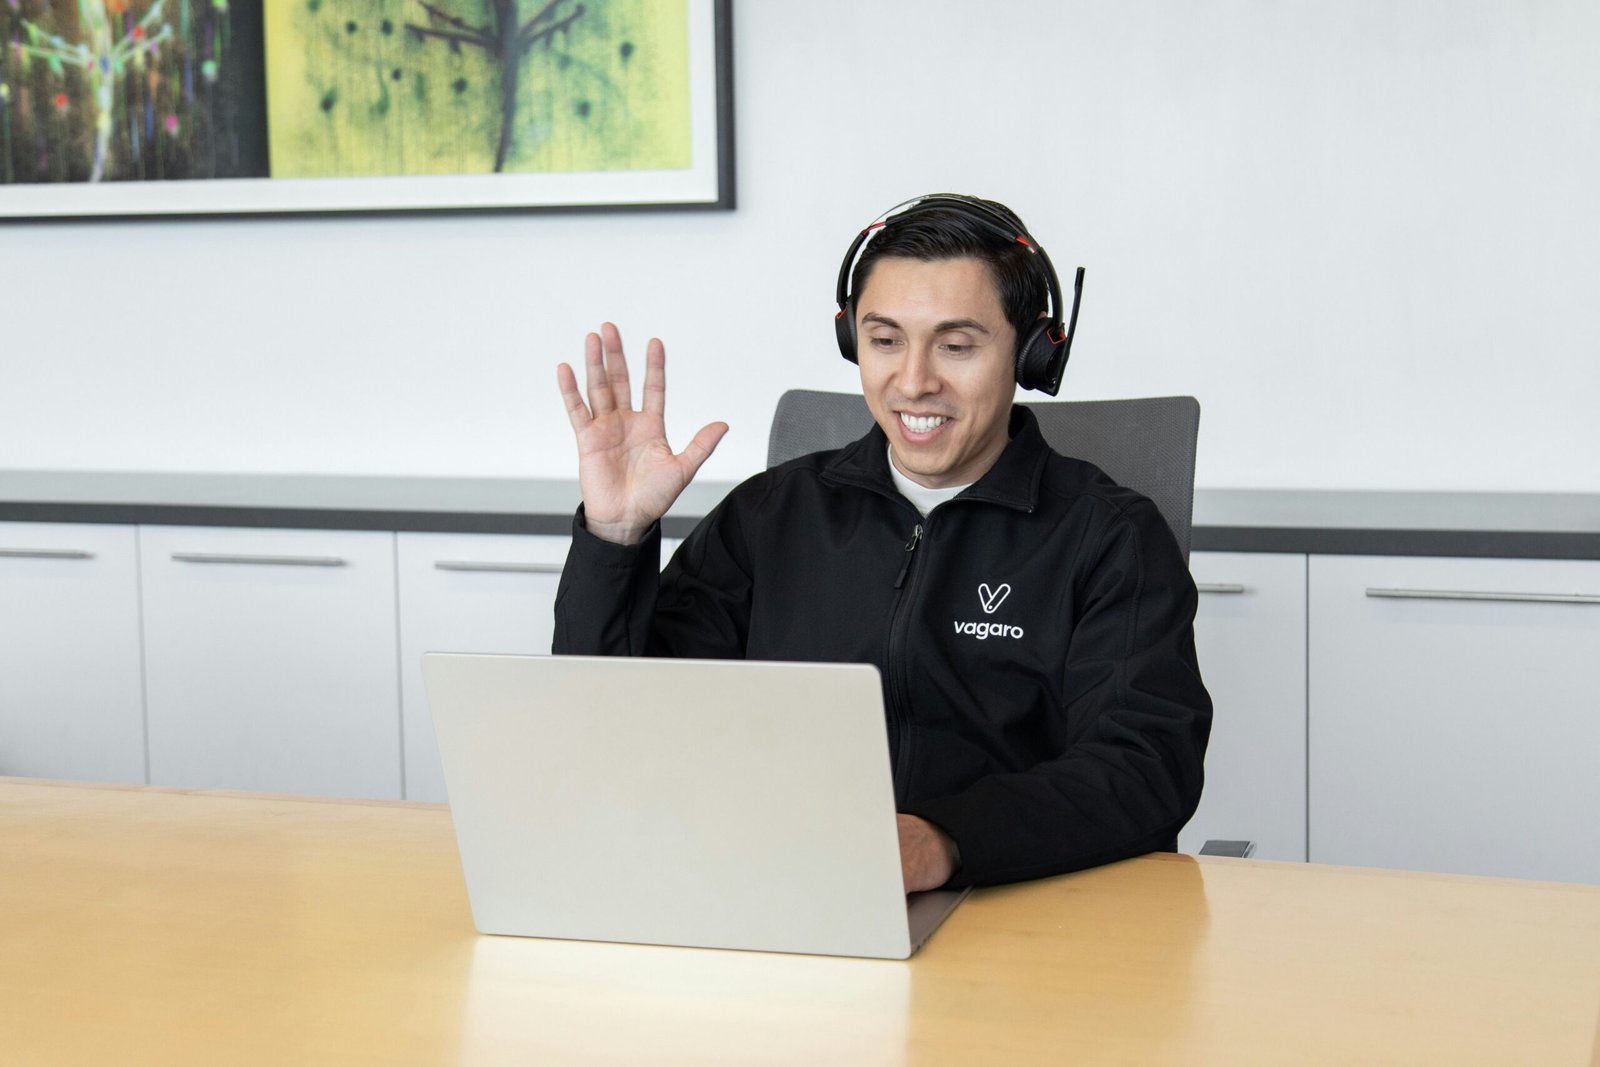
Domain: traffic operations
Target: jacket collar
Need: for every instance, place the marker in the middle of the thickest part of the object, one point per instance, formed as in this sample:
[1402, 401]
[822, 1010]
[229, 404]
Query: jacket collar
[1012, 482]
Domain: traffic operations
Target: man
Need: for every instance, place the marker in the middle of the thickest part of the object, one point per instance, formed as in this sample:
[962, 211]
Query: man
[1031, 619]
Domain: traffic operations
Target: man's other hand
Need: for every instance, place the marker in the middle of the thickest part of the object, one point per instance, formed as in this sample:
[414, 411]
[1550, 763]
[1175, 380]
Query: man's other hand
[627, 472]
[927, 855]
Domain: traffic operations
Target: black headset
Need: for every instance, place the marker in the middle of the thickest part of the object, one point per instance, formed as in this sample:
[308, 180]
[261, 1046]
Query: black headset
[1042, 354]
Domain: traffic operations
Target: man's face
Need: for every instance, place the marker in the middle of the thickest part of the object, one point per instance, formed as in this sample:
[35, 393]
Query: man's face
[937, 366]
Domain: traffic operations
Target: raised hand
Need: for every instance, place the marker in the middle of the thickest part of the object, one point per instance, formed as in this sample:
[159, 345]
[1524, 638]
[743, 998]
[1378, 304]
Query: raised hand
[628, 474]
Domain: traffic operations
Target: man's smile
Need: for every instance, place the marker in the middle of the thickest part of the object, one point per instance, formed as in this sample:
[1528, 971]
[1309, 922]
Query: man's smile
[922, 424]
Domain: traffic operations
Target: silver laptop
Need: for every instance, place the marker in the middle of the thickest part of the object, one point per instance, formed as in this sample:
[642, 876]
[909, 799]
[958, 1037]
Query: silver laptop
[717, 804]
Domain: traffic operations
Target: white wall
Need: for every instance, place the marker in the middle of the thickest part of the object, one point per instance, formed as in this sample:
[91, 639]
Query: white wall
[1365, 233]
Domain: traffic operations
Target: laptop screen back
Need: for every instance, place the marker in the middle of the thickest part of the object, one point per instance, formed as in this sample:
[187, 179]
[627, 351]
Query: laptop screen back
[727, 804]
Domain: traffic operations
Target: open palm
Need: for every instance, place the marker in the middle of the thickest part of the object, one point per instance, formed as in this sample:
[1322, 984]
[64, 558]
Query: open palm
[628, 474]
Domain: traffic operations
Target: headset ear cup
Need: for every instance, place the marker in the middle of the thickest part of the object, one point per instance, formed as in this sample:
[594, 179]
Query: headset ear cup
[844, 328]
[1036, 359]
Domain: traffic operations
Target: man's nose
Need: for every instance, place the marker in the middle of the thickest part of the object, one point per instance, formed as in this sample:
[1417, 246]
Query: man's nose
[916, 376]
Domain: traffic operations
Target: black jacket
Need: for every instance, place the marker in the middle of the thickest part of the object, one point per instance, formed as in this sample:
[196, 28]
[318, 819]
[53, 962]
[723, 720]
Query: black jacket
[1035, 638]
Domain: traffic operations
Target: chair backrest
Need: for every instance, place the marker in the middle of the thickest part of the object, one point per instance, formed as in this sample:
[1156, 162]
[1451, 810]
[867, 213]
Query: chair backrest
[1146, 444]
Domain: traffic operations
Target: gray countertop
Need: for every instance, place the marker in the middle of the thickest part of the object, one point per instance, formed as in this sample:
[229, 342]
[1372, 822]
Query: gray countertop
[1397, 523]
[314, 501]
[1368, 509]
[1526, 525]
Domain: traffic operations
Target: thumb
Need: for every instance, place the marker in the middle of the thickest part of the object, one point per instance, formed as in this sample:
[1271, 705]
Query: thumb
[699, 450]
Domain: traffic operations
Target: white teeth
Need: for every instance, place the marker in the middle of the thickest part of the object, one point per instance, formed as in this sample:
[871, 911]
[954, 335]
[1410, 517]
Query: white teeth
[922, 423]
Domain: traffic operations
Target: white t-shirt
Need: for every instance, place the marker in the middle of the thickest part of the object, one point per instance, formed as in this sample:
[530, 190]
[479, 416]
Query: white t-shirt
[921, 497]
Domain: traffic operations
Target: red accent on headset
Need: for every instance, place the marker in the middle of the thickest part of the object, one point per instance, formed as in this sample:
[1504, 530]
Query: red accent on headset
[1056, 336]
[876, 226]
[1025, 243]
[837, 315]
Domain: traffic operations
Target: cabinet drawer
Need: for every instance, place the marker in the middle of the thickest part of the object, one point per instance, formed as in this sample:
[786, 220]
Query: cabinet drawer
[271, 661]
[1455, 715]
[71, 691]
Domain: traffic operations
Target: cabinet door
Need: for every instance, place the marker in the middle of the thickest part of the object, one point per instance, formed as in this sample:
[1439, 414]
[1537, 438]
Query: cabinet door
[470, 593]
[71, 693]
[467, 593]
[1453, 729]
[271, 660]
[1250, 633]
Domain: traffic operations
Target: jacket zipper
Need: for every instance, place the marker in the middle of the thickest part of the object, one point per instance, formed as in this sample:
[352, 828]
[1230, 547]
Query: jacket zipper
[899, 708]
[911, 550]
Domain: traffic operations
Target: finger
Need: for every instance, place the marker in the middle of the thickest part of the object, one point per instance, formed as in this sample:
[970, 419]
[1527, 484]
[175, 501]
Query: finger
[594, 377]
[699, 450]
[655, 378]
[616, 367]
[567, 382]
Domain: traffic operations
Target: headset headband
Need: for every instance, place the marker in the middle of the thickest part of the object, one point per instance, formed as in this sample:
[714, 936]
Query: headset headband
[969, 207]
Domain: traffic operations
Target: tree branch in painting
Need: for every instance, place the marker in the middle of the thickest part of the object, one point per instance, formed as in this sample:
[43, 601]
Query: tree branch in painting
[103, 56]
[506, 44]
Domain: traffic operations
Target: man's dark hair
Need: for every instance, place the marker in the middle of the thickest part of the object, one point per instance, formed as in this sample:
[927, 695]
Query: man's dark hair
[938, 232]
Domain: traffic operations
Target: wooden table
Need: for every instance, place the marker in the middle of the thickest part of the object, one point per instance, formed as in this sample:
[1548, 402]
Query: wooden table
[162, 926]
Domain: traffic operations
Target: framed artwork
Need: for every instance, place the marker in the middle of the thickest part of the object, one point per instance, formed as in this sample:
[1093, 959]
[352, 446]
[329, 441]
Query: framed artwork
[245, 107]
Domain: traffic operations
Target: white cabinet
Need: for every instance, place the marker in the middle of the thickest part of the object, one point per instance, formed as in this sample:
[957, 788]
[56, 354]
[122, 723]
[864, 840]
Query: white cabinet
[271, 660]
[1250, 633]
[1412, 712]
[71, 696]
[470, 593]
[1453, 729]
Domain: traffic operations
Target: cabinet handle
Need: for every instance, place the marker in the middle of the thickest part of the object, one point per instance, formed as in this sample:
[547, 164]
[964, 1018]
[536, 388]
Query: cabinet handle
[1232, 588]
[498, 568]
[1455, 594]
[271, 561]
[45, 553]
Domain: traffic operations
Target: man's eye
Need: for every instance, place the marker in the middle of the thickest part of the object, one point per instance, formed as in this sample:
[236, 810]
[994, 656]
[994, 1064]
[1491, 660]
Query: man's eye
[884, 342]
[958, 350]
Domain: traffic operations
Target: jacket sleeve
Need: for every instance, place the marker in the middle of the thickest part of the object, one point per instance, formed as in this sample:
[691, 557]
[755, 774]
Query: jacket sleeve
[607, 594]
[614, 600]
[1138, 720]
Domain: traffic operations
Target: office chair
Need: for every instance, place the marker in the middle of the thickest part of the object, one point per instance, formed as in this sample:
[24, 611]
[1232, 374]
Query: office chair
[1146, 444]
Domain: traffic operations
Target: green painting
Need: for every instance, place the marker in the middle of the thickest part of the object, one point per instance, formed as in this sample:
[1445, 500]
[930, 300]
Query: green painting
[408, 87]
[98, 91]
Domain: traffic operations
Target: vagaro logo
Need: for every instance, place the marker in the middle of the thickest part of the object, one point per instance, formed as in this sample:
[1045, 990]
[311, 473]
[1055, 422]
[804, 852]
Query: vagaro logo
[990, 600]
